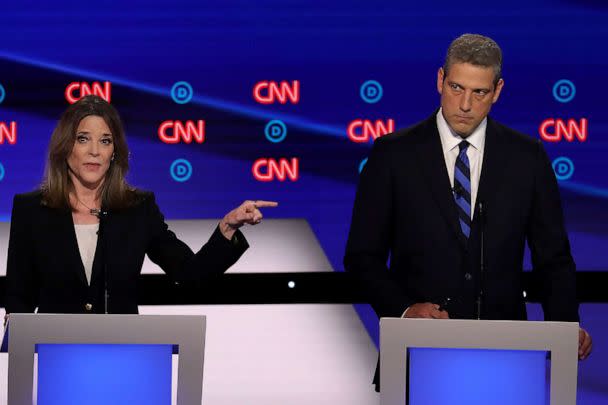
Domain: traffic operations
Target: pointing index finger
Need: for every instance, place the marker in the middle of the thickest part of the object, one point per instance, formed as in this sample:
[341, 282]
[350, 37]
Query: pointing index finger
[263, 204]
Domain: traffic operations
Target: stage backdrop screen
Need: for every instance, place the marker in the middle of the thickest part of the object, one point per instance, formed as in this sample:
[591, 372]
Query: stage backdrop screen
[228, 101]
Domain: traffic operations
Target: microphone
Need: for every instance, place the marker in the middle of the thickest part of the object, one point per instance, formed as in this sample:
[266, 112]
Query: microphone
[482, 219]
[458, 190]
[103, 216]
[98, 212]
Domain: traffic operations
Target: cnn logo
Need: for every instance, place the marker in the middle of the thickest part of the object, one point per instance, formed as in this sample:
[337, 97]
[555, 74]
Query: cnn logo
[8, 133]
[77, 90]
[554, 130]
[267, 92]
[172, 132]
[266, 170]
[360, 131]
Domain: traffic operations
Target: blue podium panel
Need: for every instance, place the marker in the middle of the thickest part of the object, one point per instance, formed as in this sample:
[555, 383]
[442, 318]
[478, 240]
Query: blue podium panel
[477, 376]
[104, 374]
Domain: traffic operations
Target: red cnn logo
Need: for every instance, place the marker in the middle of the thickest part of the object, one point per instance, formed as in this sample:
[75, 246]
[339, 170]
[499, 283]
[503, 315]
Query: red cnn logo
[185, 132]
[75, 91]
[266, 92]
[361, 131]
[270, 169]
[552, 130]
[8, 132]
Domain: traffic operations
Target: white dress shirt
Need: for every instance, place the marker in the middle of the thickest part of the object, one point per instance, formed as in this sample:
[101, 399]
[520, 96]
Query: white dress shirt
[450, 141]
[86, 235]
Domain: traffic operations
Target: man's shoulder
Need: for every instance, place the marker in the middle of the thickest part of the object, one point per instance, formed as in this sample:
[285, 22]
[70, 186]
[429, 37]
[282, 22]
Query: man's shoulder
[512, 136]
[407, 136]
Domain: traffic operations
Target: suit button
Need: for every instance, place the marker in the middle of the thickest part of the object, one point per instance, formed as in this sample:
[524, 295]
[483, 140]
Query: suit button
[468, 276]
[88, 307]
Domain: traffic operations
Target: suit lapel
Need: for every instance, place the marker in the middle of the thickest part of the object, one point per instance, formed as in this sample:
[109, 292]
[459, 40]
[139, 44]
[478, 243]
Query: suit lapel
[493, 168]
[65, 226]
[433, 167]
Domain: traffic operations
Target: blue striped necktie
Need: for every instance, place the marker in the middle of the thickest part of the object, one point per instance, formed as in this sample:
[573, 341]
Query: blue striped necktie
[462, 189]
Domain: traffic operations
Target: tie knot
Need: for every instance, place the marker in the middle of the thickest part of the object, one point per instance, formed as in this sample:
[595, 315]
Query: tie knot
[463, 146]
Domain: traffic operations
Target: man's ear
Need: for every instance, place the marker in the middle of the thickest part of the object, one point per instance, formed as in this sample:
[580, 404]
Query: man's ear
[497, 90]
[440, 77]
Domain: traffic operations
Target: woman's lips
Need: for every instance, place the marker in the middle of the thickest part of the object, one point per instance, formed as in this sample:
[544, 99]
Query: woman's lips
[92, 166]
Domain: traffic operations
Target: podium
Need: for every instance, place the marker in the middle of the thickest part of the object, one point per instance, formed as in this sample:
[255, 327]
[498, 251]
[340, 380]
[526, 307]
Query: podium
[111, 359]
[456, 361]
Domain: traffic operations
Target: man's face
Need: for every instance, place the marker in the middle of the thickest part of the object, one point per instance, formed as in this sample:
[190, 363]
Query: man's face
[467, 95]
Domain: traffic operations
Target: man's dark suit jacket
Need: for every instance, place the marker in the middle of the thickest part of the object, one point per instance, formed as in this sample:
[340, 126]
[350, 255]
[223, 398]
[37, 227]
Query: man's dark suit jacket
[404, 208]
[45, 270]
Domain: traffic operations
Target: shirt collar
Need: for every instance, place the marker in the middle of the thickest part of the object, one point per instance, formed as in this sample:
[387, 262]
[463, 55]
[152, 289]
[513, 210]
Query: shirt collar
[450, 139]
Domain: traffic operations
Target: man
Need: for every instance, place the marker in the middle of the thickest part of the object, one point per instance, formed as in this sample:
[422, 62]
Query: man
[430, 194]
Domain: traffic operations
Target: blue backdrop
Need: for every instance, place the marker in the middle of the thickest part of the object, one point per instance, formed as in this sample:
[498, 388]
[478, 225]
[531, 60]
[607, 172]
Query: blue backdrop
[223, 49]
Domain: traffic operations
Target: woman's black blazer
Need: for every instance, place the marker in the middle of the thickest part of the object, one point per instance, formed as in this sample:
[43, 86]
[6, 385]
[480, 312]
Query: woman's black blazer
[45, 271]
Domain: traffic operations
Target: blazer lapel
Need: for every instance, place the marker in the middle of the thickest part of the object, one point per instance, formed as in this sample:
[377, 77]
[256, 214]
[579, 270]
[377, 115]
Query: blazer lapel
[433, 167]
[493, 168]
[65, 226]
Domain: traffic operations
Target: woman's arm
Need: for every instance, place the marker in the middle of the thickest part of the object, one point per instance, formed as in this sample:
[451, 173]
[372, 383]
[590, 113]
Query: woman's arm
[178, 260]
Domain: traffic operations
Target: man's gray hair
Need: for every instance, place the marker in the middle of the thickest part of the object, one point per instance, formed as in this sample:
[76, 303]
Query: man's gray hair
[476, 50]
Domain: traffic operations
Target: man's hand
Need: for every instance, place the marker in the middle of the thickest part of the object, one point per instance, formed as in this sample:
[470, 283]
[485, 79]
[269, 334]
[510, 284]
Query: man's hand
[426, 310]
[246, 213]
[584, 344]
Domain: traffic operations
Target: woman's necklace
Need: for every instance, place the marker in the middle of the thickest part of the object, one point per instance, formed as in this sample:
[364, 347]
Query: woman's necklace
[92, 211]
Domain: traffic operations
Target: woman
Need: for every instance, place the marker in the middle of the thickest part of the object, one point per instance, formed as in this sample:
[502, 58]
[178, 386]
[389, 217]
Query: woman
[77, 245]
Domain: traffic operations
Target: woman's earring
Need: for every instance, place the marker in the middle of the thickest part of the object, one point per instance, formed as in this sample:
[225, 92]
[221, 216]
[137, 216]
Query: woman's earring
[112, 158]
